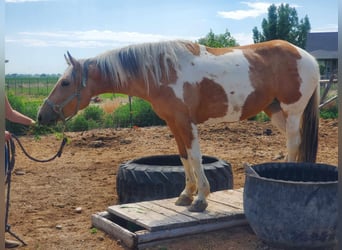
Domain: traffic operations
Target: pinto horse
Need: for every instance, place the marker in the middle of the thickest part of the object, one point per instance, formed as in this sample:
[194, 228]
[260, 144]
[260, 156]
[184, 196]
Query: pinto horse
[187, 84]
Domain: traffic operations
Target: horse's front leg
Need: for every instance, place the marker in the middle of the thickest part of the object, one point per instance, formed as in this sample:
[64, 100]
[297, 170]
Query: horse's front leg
[186, 137]
[195, 161]
[186, 197]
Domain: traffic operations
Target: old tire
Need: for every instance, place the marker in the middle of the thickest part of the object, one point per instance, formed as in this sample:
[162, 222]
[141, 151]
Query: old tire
[162, 176]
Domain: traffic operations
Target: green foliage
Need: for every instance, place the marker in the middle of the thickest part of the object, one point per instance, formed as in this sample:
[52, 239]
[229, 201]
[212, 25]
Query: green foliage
[283, 23]
[78, 123]
[94, 113]
[330, 113]
[260, 117]
[93, 116]
[218, 41]
[140, 114]
[111, 96]
[89, 118]
[108, 121]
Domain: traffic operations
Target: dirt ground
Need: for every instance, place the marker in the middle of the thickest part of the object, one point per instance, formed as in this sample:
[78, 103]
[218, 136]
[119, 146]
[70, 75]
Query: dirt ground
[44, 196]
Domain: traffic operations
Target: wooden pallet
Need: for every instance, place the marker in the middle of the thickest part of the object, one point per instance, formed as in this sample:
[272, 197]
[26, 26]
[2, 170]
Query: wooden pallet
[144, 224]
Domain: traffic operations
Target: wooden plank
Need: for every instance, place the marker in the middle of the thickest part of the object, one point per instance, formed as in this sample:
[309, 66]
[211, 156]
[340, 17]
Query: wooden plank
[224, 211]
[240, 190]
[146, 238]
[200, 217]
[151, 215]
[169, 218]
[215, 210]
[102, 221]
[228, 197]
[140, 215]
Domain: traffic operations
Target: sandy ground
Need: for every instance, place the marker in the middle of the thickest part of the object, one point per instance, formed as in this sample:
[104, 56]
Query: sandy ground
[44, 196]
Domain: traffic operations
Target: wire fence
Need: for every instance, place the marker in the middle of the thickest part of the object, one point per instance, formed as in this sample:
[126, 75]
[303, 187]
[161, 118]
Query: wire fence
[31, 86]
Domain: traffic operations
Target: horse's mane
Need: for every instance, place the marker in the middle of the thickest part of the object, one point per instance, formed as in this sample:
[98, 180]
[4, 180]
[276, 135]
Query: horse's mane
[147, 59]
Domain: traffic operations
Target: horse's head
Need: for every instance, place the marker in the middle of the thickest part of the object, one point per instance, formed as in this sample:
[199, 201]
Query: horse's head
[69, 95]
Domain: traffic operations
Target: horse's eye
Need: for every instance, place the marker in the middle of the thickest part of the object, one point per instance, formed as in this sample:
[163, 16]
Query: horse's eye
[65, 83]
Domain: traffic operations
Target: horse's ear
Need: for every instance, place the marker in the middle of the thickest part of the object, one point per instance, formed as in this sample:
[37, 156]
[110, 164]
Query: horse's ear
[67, 60]
[71, 60]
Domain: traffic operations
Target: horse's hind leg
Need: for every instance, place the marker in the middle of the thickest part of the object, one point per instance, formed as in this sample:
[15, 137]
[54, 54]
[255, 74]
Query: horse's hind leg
[277, 116]
[293, 139]
[288, 124]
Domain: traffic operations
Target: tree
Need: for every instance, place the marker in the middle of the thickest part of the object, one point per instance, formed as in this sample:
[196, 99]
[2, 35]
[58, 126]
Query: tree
[218, 41]
[282, 23]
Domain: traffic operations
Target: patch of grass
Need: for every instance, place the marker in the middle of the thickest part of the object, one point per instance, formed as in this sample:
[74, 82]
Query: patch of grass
[93, 230]
[261, 117]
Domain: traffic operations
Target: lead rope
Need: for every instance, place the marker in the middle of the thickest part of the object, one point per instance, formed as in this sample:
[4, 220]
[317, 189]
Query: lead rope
[58, 154]
[10, 162]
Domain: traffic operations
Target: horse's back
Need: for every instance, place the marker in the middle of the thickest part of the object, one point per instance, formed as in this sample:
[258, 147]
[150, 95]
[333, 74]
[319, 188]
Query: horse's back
[233, 84]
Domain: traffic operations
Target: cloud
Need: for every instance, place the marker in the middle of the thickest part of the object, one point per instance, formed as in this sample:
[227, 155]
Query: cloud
[255, 9]
[86, 39]
[243, 38]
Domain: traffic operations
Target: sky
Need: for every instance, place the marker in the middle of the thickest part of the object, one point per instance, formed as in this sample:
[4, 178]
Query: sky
[39, 32]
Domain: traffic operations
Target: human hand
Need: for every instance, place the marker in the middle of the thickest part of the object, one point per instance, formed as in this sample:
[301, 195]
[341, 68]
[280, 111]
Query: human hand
[7, 136]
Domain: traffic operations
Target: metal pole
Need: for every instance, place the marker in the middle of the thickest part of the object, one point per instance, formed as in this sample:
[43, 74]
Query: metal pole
[2, 124]
[130, 111]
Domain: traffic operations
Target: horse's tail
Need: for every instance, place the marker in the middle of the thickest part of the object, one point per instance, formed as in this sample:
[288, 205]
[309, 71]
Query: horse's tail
[309, 130]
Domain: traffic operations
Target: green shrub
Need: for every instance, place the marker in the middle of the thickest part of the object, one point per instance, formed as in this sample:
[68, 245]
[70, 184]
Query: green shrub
[78, 123]
[94, 113]
[108, 121]
[330, 113]
[140, 114]
[90, 118]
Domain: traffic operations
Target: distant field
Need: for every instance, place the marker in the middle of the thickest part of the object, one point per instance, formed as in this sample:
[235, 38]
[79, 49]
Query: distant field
[31, 86]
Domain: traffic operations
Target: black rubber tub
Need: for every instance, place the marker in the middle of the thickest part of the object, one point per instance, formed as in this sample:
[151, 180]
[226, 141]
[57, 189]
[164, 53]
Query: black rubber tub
[292, 205]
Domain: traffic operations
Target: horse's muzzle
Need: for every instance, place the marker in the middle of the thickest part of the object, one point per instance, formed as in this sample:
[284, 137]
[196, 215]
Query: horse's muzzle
[47, 116]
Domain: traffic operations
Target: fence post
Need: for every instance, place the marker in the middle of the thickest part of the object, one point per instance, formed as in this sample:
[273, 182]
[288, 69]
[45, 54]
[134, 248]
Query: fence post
[130, 111]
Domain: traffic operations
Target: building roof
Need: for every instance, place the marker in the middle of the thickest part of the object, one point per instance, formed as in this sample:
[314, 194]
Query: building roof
[323, 45]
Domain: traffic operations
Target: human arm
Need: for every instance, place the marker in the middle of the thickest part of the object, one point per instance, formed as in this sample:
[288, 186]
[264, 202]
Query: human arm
[15, 116]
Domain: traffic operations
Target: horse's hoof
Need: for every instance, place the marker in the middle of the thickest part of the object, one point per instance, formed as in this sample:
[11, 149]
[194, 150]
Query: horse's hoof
[198, 206]
[183, 200]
